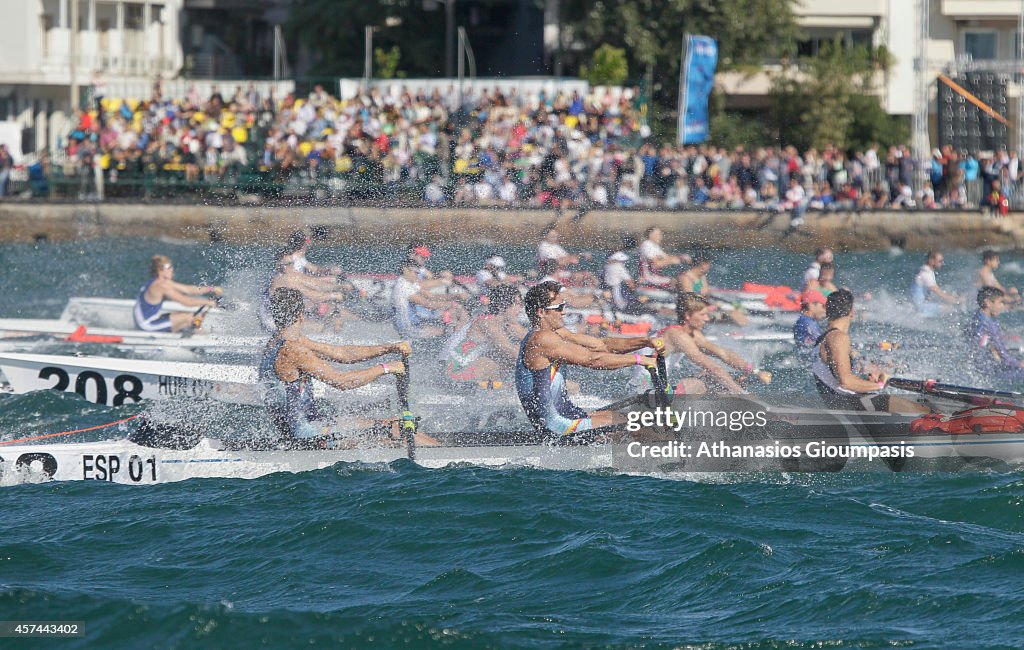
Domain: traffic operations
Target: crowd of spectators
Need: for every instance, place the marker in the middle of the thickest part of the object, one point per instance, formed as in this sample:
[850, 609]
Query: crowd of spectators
[501, 148]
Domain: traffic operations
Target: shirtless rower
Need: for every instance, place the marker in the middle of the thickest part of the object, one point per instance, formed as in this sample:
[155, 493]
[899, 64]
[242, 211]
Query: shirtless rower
[838, 385]
[687, 339]
[417, 313]
[540, 382]
[986, 277]
[160, 287]
[320, 294]
[486, 347]
[653, 259]
[298, 243]
[291, 361]
[925, 287]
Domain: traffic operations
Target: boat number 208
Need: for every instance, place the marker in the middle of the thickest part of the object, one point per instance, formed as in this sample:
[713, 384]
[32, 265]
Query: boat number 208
[126, 387]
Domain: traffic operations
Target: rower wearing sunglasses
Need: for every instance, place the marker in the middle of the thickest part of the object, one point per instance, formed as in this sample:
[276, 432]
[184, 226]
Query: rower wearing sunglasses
[548, 345]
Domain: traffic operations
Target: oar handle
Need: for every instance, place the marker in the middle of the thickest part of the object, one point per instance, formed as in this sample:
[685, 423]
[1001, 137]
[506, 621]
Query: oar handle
[408, 421]
[659, 377]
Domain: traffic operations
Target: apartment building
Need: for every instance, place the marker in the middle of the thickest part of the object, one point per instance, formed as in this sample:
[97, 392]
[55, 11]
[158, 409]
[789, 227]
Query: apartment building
[126, 43]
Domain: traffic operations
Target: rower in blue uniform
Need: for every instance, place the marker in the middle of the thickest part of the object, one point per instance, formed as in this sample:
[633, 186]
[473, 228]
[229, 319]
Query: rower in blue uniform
[548, 346]
[291, 361]
[985, 345]
[148, 314]
[807, 328]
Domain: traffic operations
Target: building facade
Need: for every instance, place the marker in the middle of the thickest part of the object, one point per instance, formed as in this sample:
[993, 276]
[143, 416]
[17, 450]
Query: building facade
[122, 45]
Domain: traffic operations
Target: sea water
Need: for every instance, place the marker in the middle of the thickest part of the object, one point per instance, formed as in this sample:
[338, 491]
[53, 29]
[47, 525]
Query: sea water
[400, 556]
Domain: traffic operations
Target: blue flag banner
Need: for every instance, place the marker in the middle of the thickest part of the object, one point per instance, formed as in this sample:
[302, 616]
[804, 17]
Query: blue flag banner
[696, 79]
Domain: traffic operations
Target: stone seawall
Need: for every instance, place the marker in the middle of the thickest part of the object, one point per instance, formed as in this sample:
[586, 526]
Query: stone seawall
[599, 229]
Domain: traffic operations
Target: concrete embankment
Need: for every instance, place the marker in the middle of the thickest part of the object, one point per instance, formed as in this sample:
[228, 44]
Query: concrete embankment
[600, 229]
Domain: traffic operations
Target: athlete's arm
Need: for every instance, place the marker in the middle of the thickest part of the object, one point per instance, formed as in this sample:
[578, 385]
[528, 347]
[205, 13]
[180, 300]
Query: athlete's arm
[583, 340]
[726, 355]
[499, 339]
[693, 351]
[172, 293]
[431, 301]
[838, 348]
[356, 353]
[631, 343]
[306, 361]
[555, 348]
[194, 290]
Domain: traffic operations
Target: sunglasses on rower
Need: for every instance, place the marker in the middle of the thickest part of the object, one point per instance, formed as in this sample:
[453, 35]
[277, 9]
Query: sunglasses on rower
[559, 307]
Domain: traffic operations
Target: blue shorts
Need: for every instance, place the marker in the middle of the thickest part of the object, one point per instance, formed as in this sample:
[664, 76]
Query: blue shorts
[161, 323]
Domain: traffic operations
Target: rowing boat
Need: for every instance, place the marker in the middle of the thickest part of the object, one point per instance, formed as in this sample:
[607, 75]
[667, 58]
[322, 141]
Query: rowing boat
[116, 313]
[827, 440]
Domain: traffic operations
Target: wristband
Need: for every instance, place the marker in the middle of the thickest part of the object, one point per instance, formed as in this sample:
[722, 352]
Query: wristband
[384, 367]
[750, 367]
[638, 359]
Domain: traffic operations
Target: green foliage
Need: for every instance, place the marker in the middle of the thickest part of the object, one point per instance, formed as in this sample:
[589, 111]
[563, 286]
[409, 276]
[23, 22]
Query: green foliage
[385, 63]
[651, 33]
[871, 124]
[609, 67]
[829, 100]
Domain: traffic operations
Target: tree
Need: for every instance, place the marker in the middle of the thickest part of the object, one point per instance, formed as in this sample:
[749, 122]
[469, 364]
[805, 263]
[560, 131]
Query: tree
[385, 63]
[651, 33]
[608, 68]
[830, 99]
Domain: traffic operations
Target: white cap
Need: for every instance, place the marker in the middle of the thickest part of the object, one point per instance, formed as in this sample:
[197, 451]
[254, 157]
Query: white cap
[496, 261]
[618, 257]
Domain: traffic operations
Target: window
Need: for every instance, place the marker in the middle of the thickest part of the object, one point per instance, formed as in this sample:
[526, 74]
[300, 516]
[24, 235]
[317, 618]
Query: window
[133, 17]
[980, 45]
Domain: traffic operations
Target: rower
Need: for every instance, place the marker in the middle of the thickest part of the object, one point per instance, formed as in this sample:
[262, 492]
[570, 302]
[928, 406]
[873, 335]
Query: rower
[621, 285]
[807, 329]
[686, 337]
[986, 277]
[821, 256]
[550, 249]
[493, 275]
[298, 245]
[291, 361]
[833, 372]
[925, 287]
[986, 347]
[419, 314]
[695, 278]
[540, 382]
[160, 287]
[323, 293]
[487, 344]
[824, 283]
[653, 259]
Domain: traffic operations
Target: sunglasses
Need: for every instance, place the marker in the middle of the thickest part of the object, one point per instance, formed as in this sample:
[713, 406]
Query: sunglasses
[167, 266]
[559, 307]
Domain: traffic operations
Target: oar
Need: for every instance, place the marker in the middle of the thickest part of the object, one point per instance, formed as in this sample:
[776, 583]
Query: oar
[407, 420]
[659, 377]
[967, 394]
[932, 386]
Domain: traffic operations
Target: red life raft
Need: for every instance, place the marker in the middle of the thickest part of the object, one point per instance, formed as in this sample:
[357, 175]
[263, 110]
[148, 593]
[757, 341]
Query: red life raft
[980, 419]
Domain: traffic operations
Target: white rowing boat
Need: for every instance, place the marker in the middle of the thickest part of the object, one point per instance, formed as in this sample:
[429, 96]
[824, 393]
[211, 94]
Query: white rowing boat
[18, 329]
[829, 440]
[116, 313]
